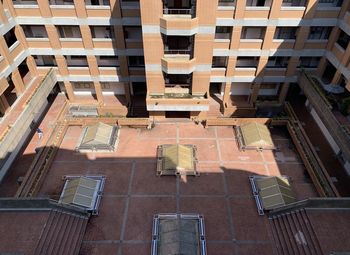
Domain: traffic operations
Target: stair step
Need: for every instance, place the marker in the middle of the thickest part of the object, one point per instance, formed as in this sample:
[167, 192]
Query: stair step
[308, 247]
[276, 232]
[296, 233]
[63, 235]
[315, 243]
[285, 237]
[76, 245]
[290, 234]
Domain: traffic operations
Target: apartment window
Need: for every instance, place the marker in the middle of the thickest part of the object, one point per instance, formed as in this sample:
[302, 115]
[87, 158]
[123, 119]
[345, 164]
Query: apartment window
[102, 32]
[219, 62]
[227, 2]
[245, 62]
[136, 61]
[253, 33]
[172, 80]
[76, 61]
[277, 62]
[69, 31]
[309, 62]
[82, 85]
[45, 60]
[107, 61]
[29, 2]
[288, 33]
[343, 40]
[132, 33]
[10, 37]
[97, 2]
[35, 31]
[61, 2]
[330, 3]
[293, 2]
[223, 32]
[258, 2]
[319, 33]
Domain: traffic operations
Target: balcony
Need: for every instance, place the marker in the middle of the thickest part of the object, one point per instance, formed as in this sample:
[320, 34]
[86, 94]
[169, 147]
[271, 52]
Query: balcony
[323, 109]
[177, 101]
[178, 62]
[178, 22]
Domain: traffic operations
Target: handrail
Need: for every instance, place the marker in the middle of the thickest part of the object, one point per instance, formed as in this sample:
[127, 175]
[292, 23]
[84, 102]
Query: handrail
[39, 204]
[313, 203]
[184, 52]
[323, 110]
[172, 11]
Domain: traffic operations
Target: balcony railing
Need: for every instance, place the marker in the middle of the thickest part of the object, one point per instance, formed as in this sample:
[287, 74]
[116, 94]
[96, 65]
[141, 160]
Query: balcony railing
[170, 11]
[317, 100]
[177, 52]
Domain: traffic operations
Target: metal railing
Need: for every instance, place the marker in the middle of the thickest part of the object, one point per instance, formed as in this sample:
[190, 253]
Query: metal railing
[313, 203]
[338, 132]
[171, 11]
[177, 52]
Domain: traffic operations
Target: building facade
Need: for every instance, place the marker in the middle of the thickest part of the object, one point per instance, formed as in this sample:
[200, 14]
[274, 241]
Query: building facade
[173, 54]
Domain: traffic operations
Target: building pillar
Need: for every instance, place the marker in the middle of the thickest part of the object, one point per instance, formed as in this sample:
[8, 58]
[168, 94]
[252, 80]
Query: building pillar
[227, 90]
[32, 66]
[44, 7]
[80, 8]
[4, 50]
[53, 36]
[69, 90]
[261, 66]
[98, 91]
[18, 82]
[87, 37]
[92, 62]
[268, 37]
[292, 66]
[348, 85]
[321, 66]
[254, 94]
[336, 77]
[275, 9]
[4, 105]
[62, 65]
[283, 92]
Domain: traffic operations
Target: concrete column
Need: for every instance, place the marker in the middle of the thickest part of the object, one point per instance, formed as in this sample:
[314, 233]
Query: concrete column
[254, 95]
[80, 8]
[235, 37]
[98, 91]
[240, 9]
[261, 66]
[336, 77]
[268, 38]
[227, 90]
[70, 91]
[53, 36]
[231, 65]
[301, 37]
[283, 92]
[310, 9]
[333, 37]
[93, 65]
[275, 9]
[44, 7]
[292, 66]
[346, 56]
[18, 82]
[3, 18]
[4, 50]
[32, 66]
[21, 36]
[345, 7]
[115, 7]
[4, 105]
[321, 66]
[62, 65]
[87, 37]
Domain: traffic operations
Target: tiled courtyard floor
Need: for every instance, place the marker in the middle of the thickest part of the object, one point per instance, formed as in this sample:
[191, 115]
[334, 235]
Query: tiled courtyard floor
[133, 193]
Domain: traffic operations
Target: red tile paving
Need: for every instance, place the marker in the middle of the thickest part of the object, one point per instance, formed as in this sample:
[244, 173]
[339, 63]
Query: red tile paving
[133, 193]
[332, 229]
